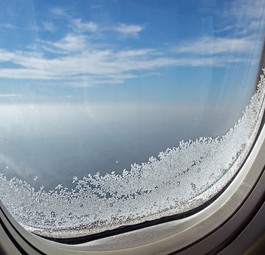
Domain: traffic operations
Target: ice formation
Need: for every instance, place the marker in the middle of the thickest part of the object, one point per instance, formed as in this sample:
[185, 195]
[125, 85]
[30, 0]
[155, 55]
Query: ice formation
[178, 180]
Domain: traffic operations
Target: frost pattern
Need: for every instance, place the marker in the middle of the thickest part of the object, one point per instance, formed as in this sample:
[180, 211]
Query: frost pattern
[178, 180]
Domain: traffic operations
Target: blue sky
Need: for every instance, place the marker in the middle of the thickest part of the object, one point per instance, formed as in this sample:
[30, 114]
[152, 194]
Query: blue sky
[113, 50]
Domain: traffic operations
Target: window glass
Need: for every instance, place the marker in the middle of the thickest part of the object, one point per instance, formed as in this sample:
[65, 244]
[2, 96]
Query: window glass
[117, 112]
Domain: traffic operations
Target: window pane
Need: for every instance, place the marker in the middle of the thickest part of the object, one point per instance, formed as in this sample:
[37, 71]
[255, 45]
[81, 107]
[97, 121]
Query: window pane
[117, 112]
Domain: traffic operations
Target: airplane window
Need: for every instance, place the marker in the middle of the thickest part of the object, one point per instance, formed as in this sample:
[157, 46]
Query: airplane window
[119, 112]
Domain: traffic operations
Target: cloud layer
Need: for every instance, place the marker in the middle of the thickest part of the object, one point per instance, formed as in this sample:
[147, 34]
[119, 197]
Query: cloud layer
[82, 57]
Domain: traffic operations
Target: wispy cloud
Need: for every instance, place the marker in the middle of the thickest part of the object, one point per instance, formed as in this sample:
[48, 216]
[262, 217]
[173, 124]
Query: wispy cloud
[76, 24]
[80, 26]
[70, 43]
[245, 17]
[85, 65]
[215, 45]
[80, 62]
[129, 30]
[76, 60]
[58, 11]
[238, 38]
[6, 56]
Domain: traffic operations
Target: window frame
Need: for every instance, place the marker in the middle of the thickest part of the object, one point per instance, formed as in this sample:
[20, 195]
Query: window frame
[231, 224]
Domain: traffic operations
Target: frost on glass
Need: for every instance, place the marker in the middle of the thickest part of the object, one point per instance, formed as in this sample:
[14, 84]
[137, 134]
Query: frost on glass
[175, 181]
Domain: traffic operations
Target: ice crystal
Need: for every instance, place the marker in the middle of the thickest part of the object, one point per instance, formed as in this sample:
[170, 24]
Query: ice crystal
[160, 187]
